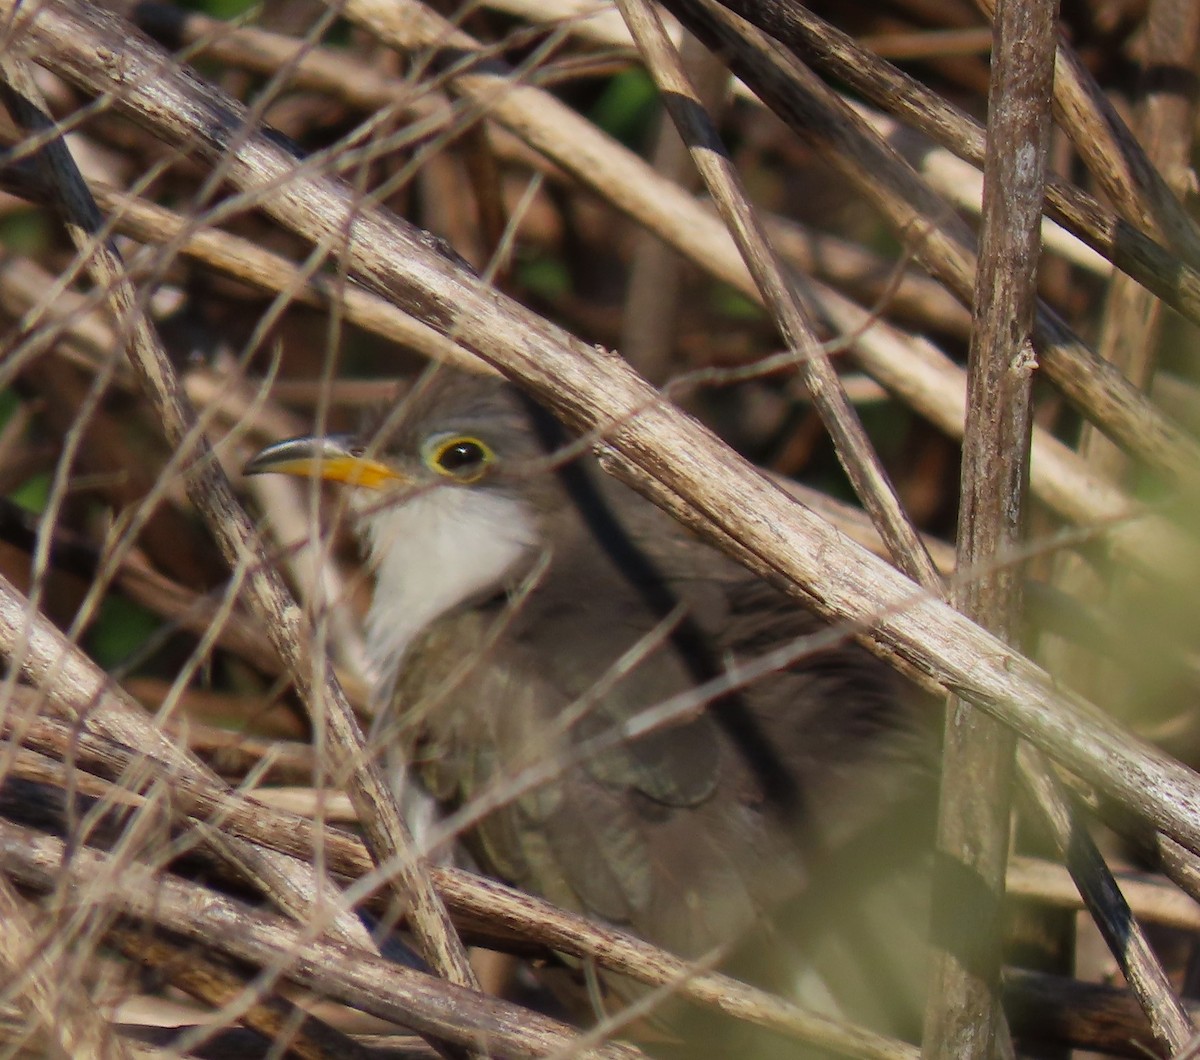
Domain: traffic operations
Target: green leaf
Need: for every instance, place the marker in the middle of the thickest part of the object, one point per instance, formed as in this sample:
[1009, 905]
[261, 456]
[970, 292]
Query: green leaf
[121, 630]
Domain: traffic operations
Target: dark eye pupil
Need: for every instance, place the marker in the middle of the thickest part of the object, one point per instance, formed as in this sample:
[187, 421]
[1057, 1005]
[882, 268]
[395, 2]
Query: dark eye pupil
[461, 455]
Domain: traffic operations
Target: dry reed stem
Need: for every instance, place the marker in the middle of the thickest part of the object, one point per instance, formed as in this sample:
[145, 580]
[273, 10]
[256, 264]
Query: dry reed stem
[435, 1008]
[475, 899]
[964, 1014]
[937, 238]
[1059, 478]
[1132, 322]
[214, 497]
[1113, 154]
[1123, 244]
[64, 1010]
[593, 390]
[910, 367]
[792, 317]
[654, 294]
[944, 392]
[504, 910]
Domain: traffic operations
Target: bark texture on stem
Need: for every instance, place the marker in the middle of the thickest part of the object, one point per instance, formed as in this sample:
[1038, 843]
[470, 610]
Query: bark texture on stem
[965, 1008]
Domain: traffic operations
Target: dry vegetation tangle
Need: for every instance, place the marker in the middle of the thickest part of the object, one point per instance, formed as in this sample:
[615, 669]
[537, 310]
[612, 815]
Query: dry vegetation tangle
[221, 226]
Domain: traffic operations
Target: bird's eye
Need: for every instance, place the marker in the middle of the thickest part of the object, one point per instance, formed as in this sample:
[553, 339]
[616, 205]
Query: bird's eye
[461, 458]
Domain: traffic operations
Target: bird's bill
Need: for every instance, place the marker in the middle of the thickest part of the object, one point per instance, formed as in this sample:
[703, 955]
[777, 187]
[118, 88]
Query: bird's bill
[331, 458]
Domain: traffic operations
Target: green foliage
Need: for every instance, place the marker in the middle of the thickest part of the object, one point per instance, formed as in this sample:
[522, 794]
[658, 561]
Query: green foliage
[121, 631]
[544, 277]
[25, 231]
[222, 9]
[627, 107]
[731, 303]
[33, 493]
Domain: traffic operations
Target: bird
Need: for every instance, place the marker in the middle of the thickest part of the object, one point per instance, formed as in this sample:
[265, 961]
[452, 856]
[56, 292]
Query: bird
[529, 610]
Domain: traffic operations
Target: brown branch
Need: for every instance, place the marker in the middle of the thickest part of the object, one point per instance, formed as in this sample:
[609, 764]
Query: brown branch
[433, 1007]
[965, 1012]
[593, 390]
[213, 496]
[938, 239]
[791, 315]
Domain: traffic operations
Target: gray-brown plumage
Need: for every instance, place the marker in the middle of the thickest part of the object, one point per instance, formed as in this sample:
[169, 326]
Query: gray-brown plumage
[526, 608]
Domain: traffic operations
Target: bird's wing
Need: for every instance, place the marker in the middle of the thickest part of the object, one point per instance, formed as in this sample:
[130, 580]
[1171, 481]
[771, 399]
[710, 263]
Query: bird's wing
[626, 832]
[686, 832]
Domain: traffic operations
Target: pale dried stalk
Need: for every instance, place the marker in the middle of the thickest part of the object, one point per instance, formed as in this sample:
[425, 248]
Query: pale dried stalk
[1113, 154]
[277, 1019]
[433, 1007]
[595, 391]
[323, 70]
[492, 904]
[1051, 459]
[210, 491]
[71, 684]
[1132, 320]
[858, 64]
[1059, 479]
[965, 1012]
[938, 239]
[828, 48]
[910, 367]
[625, 180]
[931, 383]
[1166, 119]
[266, 271]
[790, 314]
[63, 1007]
[479, 900]
[1151, 899]
[261, 269]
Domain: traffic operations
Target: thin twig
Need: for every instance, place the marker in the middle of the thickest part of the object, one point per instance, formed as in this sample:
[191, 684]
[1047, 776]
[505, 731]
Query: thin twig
[937, 237]
[433, 1007]
[825, 47]
[64, 1010]
[214, 497]
[475, 900]
[791, 315]
[593, 390]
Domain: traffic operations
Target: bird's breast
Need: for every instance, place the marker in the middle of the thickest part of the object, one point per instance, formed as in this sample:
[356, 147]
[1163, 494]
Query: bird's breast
[441, 547]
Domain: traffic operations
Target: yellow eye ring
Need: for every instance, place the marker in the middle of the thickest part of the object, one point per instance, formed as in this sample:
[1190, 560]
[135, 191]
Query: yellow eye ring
[459, 456]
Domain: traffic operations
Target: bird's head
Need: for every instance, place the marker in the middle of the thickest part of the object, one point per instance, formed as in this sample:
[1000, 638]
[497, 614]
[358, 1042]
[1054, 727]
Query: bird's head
[453, 429]
[445, 490]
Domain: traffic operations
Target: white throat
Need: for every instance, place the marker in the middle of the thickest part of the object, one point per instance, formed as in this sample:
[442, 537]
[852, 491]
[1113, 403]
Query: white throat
[436, 550]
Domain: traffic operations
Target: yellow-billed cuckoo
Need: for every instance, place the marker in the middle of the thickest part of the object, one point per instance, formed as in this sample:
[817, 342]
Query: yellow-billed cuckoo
[525, 609]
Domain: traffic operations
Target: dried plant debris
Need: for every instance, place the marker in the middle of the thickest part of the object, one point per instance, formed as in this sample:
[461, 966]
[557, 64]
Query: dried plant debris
[599, 529]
